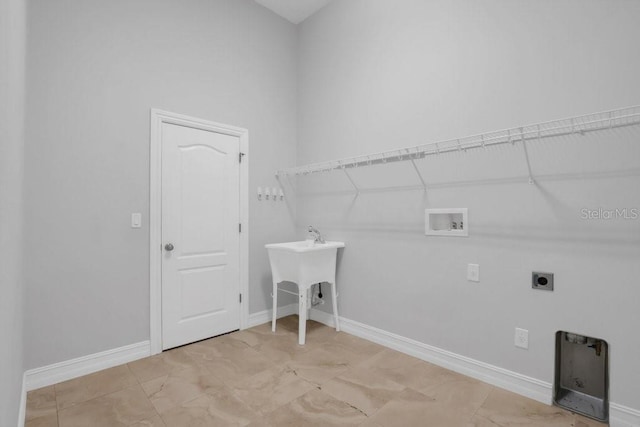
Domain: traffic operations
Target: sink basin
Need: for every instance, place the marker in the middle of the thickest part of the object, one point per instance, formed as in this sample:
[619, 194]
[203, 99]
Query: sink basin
[304, 263]
[305, 246]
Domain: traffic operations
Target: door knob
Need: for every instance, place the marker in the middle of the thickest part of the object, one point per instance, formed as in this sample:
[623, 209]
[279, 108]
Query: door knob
[168, 247]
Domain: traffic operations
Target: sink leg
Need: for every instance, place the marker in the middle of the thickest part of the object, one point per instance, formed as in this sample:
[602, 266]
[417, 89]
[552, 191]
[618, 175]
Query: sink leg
[275, 307]
[334, 298]
[302, 317]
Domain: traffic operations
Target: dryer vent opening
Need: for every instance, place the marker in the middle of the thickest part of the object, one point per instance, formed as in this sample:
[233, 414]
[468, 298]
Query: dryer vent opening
[582, 375]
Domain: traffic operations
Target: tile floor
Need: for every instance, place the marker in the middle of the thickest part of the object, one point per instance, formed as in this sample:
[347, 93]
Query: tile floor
[257, 378]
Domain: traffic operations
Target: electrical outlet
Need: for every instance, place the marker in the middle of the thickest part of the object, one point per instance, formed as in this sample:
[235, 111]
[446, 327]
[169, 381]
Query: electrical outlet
[522, 338]
[473, 272]
[136, 220]
[543, 281]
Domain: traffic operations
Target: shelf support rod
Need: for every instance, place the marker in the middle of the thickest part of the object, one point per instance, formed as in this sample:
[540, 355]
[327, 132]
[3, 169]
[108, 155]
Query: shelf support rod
[415, 167]
[610, 117]
[526, 156]
[351, 181]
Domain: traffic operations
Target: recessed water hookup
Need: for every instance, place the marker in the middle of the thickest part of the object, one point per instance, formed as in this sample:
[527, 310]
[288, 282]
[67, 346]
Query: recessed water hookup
[582, 375]
[446, 222]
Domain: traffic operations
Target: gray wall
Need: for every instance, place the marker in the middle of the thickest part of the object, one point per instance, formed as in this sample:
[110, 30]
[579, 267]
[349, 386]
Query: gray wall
[367, 75]
[95, 70]
[12, 55]
[377, 75]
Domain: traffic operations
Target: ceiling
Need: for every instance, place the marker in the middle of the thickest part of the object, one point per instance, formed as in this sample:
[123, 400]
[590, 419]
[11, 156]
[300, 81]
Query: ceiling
[295, 11]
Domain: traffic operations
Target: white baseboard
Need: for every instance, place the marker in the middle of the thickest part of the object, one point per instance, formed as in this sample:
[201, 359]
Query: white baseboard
[324, 317]
[261, 317]
[623, 416]
[63, 371]
[22, 410]
[67, 370]
[619, 415]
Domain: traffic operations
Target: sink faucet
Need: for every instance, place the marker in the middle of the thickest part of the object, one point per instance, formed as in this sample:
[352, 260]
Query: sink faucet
[317, 237]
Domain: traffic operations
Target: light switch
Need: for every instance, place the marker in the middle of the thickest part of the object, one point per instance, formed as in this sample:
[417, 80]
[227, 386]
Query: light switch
[473, 272]
[136, 220]
[522, 338]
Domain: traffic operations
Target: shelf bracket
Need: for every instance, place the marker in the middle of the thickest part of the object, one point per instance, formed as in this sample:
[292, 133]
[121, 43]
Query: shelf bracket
[526, 156]
[282, 182]
[415, 167]
[351, 181]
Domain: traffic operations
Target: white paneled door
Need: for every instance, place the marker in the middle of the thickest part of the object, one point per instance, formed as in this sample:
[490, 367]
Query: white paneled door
[200, 235]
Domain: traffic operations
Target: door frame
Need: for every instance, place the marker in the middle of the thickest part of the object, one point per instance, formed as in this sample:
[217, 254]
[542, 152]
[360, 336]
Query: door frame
[158, 118]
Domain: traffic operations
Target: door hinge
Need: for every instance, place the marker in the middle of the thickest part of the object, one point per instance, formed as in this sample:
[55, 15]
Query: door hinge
[240, 156]
[240, 298]
[239, 227]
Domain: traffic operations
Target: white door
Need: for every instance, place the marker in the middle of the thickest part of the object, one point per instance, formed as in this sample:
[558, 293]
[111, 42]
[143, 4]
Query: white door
[200, 235]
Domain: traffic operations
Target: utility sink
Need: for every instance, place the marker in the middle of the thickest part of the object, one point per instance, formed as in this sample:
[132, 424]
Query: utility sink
[304, 263]
[304, 246]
